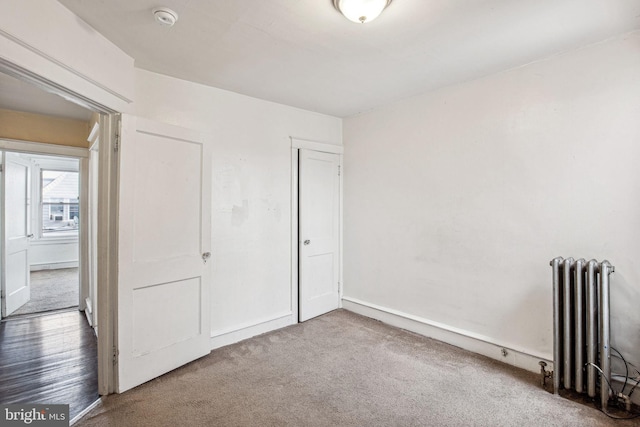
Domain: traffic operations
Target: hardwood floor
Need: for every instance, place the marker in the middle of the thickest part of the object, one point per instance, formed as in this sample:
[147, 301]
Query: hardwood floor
[49, 359]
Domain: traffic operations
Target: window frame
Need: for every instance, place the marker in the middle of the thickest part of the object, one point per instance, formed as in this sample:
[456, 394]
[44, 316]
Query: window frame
[52, 236]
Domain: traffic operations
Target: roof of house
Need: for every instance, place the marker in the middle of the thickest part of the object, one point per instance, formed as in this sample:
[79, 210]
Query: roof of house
[63, 187]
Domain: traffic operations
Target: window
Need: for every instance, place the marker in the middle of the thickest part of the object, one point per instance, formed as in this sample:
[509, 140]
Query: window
[60, 203]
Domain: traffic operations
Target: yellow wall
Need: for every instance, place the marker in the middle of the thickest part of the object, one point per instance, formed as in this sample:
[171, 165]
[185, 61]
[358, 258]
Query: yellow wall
[47, 129]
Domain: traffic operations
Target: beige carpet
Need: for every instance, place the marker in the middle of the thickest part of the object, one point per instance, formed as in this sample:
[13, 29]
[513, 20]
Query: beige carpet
[342, 369]
[51, 290]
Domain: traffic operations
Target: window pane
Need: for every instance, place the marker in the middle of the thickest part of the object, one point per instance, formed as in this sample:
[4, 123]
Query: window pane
[60, 209]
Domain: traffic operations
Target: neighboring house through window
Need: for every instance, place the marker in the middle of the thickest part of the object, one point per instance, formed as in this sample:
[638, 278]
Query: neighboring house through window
[60, 203]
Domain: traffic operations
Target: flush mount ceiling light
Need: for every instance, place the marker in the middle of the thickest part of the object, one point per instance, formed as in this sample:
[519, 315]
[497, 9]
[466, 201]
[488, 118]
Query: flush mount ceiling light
[361, 11]
[165, 16]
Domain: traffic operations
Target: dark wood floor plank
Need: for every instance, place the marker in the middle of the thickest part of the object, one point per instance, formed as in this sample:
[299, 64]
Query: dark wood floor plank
[49, 359]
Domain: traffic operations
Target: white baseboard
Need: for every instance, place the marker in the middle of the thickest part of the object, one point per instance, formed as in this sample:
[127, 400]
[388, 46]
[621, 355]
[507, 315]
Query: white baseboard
[243, 332]
[88, 311]
[88, 316]
[458, 337]
[54, 266]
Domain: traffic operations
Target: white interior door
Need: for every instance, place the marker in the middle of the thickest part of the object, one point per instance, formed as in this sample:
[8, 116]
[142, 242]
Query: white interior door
[16, 290]
[319, 245]
[164, 243]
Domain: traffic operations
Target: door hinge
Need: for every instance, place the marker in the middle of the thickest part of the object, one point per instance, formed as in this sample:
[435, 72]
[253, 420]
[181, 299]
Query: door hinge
[116, 144]
[0, 168]
[114, 356]
[338, 170]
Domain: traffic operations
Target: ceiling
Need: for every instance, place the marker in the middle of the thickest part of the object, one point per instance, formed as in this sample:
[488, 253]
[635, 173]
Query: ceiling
[22, 96]
[305, 54]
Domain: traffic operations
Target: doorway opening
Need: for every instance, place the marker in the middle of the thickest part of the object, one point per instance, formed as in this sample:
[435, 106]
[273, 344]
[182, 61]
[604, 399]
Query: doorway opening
[50, 350]
[53, 211]
[47, 354]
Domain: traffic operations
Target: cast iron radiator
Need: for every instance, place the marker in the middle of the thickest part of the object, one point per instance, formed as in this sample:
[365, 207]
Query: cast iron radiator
[581, 327]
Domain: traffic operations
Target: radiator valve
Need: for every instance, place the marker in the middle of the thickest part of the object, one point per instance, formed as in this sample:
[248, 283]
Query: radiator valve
[544, 374]
[626, 400]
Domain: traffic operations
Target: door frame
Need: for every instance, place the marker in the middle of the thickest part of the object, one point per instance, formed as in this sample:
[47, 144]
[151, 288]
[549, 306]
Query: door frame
[324, 147]
[108, 212]
[36, 148]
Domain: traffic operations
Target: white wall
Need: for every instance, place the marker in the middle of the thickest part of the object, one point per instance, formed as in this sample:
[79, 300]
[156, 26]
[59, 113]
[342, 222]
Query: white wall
[251, 233]
[51, 254]
[456, 200]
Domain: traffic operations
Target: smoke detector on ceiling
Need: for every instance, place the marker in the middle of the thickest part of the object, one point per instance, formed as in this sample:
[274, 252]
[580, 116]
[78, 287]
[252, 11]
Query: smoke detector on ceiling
[165, 16]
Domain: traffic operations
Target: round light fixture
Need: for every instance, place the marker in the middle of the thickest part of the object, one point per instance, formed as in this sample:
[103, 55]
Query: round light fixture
[165, 16]
[361, 11]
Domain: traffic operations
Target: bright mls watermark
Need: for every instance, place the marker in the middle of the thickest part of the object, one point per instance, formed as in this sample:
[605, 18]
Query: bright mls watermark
[34, 415]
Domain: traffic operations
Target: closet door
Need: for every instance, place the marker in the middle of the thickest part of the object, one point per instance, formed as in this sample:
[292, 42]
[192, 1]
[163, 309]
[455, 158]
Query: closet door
[319, 245]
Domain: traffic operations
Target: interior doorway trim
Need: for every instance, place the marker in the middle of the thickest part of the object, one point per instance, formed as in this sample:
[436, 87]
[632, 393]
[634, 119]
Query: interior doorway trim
[323, 147]
[296, 145]
[26, 75]
[107, 220]
[42, 148]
